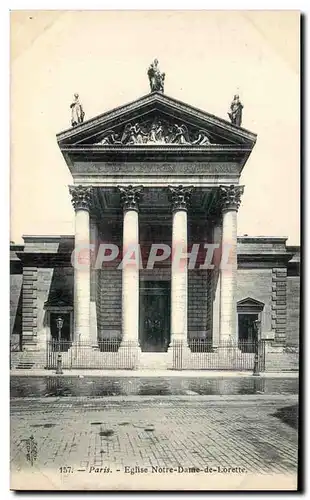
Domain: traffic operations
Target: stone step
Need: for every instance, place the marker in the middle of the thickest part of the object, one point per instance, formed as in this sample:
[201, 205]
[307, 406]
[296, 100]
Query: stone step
[24, 366]
[154, 360]
[26, 359]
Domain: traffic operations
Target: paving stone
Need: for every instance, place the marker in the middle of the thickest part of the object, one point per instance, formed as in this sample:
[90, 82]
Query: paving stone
[188, 434]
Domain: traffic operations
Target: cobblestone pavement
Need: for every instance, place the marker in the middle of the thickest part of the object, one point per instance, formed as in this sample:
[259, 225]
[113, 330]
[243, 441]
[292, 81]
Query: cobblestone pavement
[78, 437]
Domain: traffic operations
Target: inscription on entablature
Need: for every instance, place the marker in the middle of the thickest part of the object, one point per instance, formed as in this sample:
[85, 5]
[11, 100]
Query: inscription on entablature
[157, 168]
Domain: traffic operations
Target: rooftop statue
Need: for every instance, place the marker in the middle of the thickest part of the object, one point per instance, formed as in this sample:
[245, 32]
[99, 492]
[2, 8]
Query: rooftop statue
[156, 78]
[235, 113]
[77, 113]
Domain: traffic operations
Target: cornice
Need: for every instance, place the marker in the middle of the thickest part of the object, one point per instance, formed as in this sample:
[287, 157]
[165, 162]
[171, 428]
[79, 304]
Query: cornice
[274, 258]
[166, 148]
[45, 259]
[155, 153]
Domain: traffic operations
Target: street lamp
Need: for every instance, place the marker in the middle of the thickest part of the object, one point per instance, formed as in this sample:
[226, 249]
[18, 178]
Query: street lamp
[59, 324]
[257, 324]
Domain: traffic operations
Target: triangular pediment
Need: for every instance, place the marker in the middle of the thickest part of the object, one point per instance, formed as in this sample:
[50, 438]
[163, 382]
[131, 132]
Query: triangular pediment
[250, 303]
[156, 119]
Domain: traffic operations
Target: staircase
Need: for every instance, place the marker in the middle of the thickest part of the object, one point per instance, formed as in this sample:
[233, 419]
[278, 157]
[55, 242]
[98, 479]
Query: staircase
[27, 360]
[154, 361]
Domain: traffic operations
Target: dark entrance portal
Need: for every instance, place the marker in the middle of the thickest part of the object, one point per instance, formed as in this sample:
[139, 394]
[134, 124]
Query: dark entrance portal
[247, 331]
[154, 324]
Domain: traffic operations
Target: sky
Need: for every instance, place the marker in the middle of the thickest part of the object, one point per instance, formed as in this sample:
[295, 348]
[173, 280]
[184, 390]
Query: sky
[207, 56]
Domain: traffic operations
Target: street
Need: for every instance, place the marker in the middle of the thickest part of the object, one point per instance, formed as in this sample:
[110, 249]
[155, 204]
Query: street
[174, 442]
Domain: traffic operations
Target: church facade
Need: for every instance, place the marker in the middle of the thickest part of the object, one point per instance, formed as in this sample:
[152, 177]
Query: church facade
[155, 275]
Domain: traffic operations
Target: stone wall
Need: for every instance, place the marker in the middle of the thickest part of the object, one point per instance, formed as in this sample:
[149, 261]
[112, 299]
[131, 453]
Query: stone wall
[198, 304]
[293, 299]
[16, 281]
[257, 284]
[45, 276]
[110, 309]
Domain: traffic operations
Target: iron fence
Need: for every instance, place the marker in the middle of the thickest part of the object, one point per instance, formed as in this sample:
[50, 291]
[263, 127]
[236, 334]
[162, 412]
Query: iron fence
[200, 354]
[106, 354]
[109, 345]
[203, 354]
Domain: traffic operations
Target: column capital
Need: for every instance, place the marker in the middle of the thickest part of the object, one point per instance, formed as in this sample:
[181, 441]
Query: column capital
[230, 197]
[130, 196]
[81, 197]
[180, 197]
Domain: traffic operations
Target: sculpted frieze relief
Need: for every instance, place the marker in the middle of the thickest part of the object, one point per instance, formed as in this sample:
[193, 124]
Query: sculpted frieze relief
[158, 132]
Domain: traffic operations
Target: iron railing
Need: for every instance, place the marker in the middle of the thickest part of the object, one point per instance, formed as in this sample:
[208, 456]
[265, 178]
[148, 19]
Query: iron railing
[109, 345]
[106, 354]
[204, 354]
[201, 355]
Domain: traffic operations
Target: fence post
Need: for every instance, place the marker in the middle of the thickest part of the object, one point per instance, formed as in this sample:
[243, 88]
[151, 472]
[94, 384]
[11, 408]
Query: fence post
[47, 354]
[256, 359]
[177, 355]
[59, 364]
[262, 354]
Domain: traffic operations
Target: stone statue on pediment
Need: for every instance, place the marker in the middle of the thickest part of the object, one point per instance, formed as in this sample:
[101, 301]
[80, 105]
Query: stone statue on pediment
[156, 134]
[181, 135]
[202, 139]
[156, 78]
[235, 113]
[109, 138]
[77, 112]
[133, 134]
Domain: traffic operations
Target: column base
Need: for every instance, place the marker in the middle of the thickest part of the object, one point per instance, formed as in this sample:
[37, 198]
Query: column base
[175, 341]
[130, 344]
[84, 344]
[179, 349]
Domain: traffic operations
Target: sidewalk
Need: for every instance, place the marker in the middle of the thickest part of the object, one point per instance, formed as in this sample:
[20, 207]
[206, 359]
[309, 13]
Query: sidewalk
[149, 373]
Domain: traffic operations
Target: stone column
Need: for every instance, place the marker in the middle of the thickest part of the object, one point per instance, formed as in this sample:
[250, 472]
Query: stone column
[216, 282]
[179, 280]
[230, 197]
[130, 196]
[81, 199]
[93, 282]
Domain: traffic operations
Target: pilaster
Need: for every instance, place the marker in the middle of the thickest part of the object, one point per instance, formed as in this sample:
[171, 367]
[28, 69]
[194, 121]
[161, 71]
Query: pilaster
[29, 308]
[279, 304]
